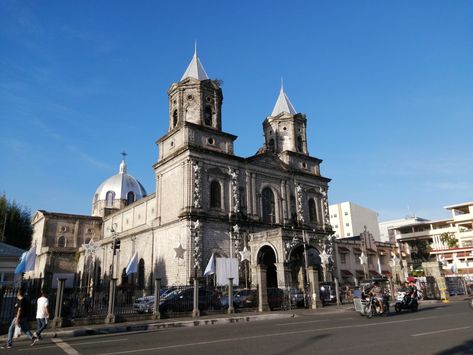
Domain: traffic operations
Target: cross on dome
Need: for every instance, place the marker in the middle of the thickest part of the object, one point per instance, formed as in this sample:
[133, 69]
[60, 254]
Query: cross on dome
[283, 104]
[195, 69]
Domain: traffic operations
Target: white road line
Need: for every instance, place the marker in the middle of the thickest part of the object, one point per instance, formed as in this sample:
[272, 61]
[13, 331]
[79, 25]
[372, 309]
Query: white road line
[266, 336]
[38, 348]
[439, 331]
[296, 323]
[65, 347]
[98, 342]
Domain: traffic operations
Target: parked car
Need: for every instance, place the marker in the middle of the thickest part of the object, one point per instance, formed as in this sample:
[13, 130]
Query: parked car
[297, 297]
[275, 298]
[182, 300]
[144, 304]
[245, 298]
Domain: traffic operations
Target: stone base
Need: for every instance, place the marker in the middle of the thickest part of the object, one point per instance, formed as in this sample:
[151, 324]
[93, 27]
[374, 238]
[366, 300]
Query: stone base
[195, 313]
[156, 316]
[56, 323]
[110, 318]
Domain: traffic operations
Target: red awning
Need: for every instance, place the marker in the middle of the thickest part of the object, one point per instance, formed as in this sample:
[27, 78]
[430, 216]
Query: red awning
[375, 273]
[387, 273]
[346, 273]
[371, 251]
[343, 250]
[357, 250]
[360, 273]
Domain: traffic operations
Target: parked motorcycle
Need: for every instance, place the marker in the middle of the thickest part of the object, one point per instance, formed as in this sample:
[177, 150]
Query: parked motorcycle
[405, 303]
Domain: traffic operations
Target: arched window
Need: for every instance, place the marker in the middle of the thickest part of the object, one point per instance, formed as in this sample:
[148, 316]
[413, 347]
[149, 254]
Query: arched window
[299, 144]
[87, 240]
[130, 198]
[215, 194]
[271, 145]
[174, 118]
[268, 205]
[124, 277]
[312, 211]
[208, 116]
[141, 274]
[109, 197]
[61, 241]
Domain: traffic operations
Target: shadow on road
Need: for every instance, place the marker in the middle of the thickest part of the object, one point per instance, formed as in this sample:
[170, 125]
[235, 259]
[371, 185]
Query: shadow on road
[306, 344]
[465, 348]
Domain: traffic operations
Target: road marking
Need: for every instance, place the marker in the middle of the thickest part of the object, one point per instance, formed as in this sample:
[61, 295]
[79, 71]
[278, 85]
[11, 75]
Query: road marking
[65, 346]
[225, 340]
[439, 331]
[296, 323]
[75, 344]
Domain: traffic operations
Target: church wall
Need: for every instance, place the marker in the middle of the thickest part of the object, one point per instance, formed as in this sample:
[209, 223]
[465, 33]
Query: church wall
[172, 196]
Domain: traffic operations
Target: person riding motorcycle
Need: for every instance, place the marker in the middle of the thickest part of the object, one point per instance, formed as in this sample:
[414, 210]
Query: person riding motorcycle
[377, 293]
[411, 292]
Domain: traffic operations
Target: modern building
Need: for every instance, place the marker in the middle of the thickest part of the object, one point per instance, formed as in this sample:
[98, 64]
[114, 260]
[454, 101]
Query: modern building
[449, 241]
[261, 209]
[349, 219]
[386, 228]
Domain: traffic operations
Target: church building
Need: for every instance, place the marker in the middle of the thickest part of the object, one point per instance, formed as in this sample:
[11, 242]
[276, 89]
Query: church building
[268, 210]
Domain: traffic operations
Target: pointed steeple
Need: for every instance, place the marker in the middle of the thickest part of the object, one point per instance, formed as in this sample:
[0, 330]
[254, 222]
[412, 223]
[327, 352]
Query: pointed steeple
[283, 104]
[195, 69]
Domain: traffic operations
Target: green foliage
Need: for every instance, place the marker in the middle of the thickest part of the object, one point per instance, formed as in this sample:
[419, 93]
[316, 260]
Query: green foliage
[16, 221]
[420, 250]
[449, 239]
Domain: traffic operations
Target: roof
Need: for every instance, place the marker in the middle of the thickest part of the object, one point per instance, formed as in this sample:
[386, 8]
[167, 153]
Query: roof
[283, 104]
[464, 204]
[10, 250]
[121, 184]
[195, 69]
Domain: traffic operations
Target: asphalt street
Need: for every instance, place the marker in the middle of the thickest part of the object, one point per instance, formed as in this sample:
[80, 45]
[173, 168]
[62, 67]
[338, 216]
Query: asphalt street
[434, 329]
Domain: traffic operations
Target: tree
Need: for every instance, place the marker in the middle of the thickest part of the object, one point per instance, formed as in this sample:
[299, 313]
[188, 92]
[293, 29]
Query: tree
[449, 239]
[15, 223]
[420, 250]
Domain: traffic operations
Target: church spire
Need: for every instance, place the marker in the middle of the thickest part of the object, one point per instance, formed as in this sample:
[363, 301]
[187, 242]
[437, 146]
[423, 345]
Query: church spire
[195, 69]
[283, 104]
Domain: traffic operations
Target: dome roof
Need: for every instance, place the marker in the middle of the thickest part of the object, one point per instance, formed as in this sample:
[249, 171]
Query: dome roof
[121, 184]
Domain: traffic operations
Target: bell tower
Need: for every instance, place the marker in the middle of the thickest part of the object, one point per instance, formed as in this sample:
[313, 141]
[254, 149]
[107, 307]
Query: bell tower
[195, 98]
[285, 129]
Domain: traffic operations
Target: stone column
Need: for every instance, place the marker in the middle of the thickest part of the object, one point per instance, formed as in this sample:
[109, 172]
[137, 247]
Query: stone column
[263, 305]
[195, 310]
[249, 192]
[157, 299]
[253, 194]
[314, 287]
[57, 321]
[231, 309]
[111, 302]
[281, 271]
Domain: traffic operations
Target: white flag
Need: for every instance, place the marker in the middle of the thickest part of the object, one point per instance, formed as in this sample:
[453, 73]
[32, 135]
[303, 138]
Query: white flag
[132, 266]
[30, 259]
[210, 269]
[379, 266]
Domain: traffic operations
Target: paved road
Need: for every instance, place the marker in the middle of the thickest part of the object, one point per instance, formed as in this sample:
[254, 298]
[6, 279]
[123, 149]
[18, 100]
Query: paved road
[435, 329]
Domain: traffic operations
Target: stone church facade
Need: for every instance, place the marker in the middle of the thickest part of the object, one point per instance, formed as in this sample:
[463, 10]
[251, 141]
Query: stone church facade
[269, 210]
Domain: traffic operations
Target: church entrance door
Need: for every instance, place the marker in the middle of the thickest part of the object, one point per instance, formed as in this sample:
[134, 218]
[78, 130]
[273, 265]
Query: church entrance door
[267, 257]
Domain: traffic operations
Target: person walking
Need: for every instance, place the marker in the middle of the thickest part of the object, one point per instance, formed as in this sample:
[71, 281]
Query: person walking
[42, 314]
[20, 320]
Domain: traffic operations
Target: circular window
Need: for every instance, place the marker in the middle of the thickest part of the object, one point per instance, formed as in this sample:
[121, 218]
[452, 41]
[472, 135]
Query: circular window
[209, 99]
[190, 97]
[284, 128]
[174, 102]
[210, 141]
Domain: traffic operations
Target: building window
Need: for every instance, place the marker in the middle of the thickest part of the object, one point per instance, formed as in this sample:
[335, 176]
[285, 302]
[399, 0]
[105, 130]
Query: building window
[348, 234]
[124, 277]
[141, 274]
[312, 211]
[109, 197]
[61, 241]
[174, 118]
[346, 213]
[130, 198]
[343, 258]
[215, 195]
[271, 145]
[293, 210]
[299, 144]
[208, 116]
[335, 215]
[268, 205]
[347, 224]
[357, 258]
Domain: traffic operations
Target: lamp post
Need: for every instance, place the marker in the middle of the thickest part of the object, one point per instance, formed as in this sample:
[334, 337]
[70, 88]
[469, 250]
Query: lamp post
[114, 233]
[195, 232]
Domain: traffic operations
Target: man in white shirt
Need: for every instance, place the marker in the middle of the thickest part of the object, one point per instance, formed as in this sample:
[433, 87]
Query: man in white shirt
[42, 313]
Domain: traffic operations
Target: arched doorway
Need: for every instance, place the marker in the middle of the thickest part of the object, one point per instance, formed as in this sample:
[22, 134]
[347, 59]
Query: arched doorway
[267, 258]
[297, 265]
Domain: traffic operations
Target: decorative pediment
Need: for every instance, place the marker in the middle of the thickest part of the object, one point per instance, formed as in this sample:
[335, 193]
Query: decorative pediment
[268, 161]
[37, 217]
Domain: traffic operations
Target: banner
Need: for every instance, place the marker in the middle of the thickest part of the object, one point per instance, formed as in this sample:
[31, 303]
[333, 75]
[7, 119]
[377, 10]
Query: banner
[226, 268]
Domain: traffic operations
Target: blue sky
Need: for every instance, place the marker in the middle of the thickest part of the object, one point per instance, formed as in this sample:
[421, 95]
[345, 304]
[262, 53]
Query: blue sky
[387, 87]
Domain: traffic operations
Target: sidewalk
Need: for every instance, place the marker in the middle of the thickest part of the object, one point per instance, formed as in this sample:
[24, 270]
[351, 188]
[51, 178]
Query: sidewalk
[242, 317]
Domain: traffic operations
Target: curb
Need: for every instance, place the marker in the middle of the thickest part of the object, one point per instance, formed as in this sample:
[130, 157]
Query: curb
[111, 329]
